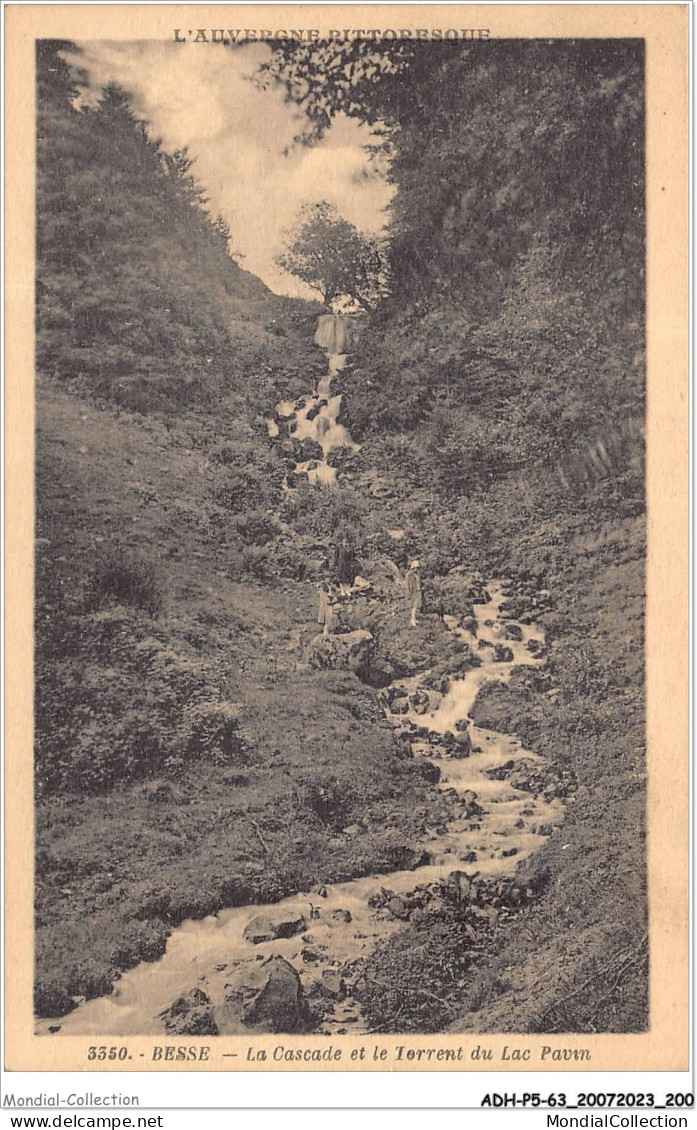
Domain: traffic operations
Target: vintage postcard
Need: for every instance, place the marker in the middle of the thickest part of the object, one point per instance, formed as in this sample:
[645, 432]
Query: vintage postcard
[346, 483]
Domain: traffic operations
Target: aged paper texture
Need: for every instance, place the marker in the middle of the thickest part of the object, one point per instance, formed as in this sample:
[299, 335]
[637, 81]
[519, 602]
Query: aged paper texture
[346, 402]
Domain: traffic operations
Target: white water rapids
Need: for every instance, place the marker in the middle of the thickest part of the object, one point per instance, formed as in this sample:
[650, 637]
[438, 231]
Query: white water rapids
[512, 826]
[315, 417]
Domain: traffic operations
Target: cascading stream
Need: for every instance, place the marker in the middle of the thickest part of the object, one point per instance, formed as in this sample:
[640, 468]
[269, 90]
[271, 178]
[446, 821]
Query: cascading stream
[315, 418]
[513, 825]
[342, 923]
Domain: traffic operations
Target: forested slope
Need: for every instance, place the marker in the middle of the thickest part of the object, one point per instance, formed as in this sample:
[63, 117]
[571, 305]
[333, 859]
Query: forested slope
[514, 335]
[505, 376]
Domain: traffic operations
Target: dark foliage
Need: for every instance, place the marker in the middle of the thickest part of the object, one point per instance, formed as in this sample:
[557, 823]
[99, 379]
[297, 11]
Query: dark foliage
[333, 257]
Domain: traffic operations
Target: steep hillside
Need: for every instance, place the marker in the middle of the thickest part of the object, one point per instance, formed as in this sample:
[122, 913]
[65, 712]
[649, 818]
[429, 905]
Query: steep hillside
[508, 372]
[189, 756]
[576, 959]
[138, 298]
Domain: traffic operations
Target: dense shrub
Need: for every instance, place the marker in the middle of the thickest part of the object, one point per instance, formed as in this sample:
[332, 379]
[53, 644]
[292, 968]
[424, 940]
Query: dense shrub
[51, 997]
[256, 527]
[121, 577]
[250, 479]
[412, 982]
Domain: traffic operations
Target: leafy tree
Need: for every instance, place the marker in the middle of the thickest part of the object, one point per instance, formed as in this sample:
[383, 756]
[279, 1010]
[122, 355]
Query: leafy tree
[333, 257]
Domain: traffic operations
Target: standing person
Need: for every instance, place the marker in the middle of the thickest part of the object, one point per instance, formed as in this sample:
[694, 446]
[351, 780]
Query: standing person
[414, 593]
[325, 614]
[345, 561]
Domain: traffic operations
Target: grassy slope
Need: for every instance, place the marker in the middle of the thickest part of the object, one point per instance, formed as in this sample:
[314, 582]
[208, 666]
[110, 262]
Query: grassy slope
[116, 870]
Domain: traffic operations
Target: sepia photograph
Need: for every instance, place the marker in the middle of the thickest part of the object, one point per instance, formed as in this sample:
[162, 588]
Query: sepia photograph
[340, 539]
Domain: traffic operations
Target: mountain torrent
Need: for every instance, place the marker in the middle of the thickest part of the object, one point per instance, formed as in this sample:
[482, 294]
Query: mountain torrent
[414, 829]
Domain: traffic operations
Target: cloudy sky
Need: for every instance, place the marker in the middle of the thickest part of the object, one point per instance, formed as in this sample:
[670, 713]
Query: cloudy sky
[241, 139]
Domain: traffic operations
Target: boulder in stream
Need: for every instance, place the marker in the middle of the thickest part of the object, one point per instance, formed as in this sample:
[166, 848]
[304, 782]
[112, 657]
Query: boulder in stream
[340, 915]
[398, 908]
[513, 632]
[263, 996]
[407, 858]
[332, 985]
[427, 770]
[291, 449]
[391, 695]
[420, 702]
[309, 449]
[536, 647]
[270, 926]
[191, 1014]
[311, 954]
[345, 459]
[271, 1000]
[400, 706]
[469, 800]
[458, 744]
[437, 680]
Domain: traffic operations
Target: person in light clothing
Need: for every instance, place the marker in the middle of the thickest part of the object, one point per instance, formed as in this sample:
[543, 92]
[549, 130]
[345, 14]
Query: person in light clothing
[414, 593]
[325, 613]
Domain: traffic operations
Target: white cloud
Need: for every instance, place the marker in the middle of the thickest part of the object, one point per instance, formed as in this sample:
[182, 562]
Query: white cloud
[241, 139]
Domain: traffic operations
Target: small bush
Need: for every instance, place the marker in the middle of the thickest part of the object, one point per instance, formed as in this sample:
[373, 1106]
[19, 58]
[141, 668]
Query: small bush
[256, 527]
[257, 561]
[128, 580]
[143, 941]
[331, 800]
[214, 732]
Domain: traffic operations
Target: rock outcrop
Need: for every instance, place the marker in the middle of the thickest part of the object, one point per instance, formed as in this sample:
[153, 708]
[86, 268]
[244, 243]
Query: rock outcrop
[550, 781]
[280, 1005]
[401, 651]
[344, 651]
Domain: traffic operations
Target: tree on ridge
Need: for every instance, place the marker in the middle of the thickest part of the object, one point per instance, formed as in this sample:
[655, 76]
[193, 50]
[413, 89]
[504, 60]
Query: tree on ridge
[332, 257]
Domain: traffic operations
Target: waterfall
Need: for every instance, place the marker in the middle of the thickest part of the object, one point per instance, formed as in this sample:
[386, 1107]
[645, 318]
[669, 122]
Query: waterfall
[332, 333]
[314, 417]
